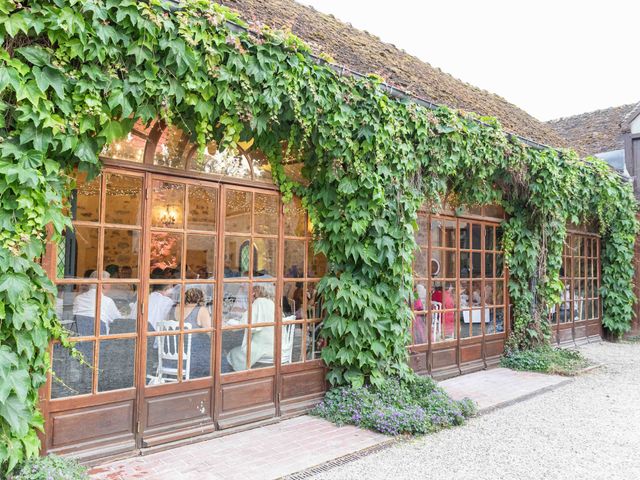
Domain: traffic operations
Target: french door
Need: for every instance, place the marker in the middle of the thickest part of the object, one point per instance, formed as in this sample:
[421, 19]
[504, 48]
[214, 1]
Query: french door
[183, 334]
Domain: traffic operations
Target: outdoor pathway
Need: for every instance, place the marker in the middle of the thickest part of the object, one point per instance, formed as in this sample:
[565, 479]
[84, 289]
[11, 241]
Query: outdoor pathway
[301, 443]
[588, 429]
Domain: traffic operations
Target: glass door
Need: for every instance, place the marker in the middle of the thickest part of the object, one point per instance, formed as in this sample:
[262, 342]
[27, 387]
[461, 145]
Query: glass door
[179, 305]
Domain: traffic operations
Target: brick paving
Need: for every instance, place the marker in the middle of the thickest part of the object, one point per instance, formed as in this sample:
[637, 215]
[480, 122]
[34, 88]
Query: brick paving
[297, 444]
[262, 453]
[499, 387]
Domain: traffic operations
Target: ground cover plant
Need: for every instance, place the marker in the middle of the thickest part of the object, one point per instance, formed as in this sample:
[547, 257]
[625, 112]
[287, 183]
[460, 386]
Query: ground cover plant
[394, 407]
[546, 359]
[76, 75]
[50, 467]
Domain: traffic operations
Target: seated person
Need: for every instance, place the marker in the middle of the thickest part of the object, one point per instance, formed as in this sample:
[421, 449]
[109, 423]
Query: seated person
[419, 325]
[197, 316]
[262, 338]
[84, 307]
[445, 298]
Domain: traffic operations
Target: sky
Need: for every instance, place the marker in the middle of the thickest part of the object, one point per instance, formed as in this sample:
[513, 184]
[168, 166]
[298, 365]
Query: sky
[552, 58]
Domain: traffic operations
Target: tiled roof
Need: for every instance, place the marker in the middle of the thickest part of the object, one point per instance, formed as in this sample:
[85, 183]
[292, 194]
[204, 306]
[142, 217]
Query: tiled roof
[595, 132]
[365, 53]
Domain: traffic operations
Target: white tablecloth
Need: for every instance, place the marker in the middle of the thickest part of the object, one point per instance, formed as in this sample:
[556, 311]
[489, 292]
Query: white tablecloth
[476, 316]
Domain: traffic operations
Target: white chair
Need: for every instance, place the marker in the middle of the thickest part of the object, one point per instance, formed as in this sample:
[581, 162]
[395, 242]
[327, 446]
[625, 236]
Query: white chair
[169, 351]
[436, 321]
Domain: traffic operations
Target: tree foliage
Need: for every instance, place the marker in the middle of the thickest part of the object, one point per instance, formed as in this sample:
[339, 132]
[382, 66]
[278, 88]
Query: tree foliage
[76, 75]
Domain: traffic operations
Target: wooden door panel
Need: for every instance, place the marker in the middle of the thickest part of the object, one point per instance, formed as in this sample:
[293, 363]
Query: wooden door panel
[75, 429]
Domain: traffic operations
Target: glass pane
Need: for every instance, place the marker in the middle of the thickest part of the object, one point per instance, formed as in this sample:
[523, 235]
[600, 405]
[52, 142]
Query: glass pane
[314, 340]
[168, 205]
[476, 234]
[123, 200]
[499, 233]
[465, 294]
[234, 350]
[499, 320]
[292, 295]
[317, 264]
[261, 166]
[78, 254]
[76, 308]
[197, 310]
[499, 265]
[437, 229]
[238, 211]
[125, 298]
[263, 346]
[443, 301]
[314, 302]
[163, 359]
[499, 293]
[70, 377]
[166, 255]
[173, 148]
[263, 306]
[450, 234]
[203, 203]
[435, 264]
[235, 304]
[217, 162]
[295, 219]
[488, 265]
[197, 353]
[420, 263]
[465, 264]
[421, 234]
[265, 257]
[116, 364]
[85, 199]
[465, 235]
[450, 264]
[294, 258]
[266, 214]
[201, 256]
[237, 256]
[130, 148]
[292, 336]
[121, 251]
[489, 233]
[420, 329]
[420, 298]
[489, 293]
[163, 306]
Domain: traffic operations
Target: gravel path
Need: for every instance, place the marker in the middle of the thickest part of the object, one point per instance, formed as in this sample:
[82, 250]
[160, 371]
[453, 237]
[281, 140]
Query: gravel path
[588, 429]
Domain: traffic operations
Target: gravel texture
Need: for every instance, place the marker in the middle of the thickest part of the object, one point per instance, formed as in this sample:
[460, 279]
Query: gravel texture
[587, 429]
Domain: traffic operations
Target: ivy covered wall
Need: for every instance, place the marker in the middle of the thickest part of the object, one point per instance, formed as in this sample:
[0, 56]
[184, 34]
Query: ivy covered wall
[75, 75]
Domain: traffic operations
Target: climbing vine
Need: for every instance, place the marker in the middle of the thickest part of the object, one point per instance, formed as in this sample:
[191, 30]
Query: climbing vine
[76, 75]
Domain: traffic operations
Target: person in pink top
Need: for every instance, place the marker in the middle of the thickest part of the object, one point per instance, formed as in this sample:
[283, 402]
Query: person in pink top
[446, 299]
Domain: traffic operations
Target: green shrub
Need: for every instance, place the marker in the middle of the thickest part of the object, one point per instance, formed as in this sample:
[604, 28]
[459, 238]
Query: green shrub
[414, 406]
[546, 359]
[51, 467]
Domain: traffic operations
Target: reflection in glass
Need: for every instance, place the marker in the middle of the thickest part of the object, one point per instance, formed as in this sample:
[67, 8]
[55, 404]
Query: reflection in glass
[238, 211]
[235, 304]
[130, 148]
[173, 148]
[476, 235]
[201, 256]
[214, 161]
[317, 266]
[165, 255]
[70, 376]
[465, 235]
[78, 255]
[436, 233]
[121, 250]
[489, 237]
[116, 364]
[168, 205]
[450, 234]
[420, 262]
[450, 265]
[266, 214]
[203, 203]
[123, 199]
[295, 219]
